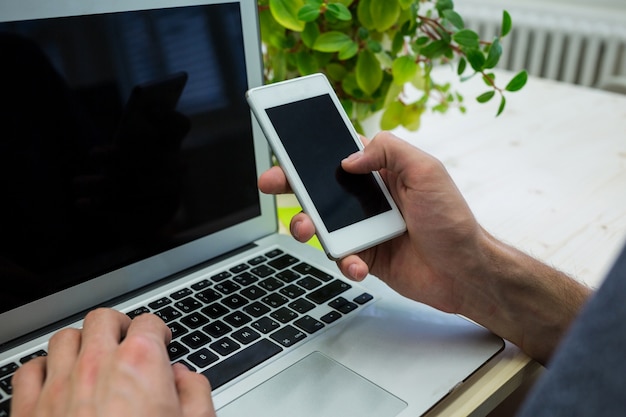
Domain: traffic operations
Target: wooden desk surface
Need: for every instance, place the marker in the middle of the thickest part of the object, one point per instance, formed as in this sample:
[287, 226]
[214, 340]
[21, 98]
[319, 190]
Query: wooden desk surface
[547, 176]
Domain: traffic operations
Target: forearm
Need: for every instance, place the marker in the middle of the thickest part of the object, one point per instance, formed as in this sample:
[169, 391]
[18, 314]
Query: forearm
[523, 300]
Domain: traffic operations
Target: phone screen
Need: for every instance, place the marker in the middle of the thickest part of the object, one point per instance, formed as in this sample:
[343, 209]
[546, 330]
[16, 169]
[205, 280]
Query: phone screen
[317, 139]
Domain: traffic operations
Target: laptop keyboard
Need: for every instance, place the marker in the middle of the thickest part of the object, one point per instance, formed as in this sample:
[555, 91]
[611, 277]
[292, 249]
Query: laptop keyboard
[225, 325]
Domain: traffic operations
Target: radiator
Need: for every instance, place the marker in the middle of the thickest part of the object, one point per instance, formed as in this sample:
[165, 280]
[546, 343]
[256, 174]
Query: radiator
[558, 43]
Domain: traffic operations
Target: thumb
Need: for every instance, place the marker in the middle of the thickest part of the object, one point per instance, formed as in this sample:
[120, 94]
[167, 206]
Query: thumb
[385, 151]
[194, 392]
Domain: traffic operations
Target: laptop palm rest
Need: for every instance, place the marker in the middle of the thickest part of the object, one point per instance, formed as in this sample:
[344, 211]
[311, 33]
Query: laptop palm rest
[315, 386]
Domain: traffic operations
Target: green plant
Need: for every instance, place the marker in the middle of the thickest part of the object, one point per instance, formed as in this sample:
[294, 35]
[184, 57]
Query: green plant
[372, 50]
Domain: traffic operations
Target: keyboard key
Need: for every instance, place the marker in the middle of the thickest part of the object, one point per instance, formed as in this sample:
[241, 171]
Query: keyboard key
[176, 350]
[208, 296]
[271, 284]
[288, 336]
[253, 292]
[363, 298]
[265, 325]
[305, 269]
[177, 329]
[191, 368]
[239, 268]
[188, 304]
[217, 328]
[275, 300]
[8, 369]
[6, 386]
[137, 312]
[235, 301]
[225, 346]
[273, 253]
[262, 271]
[308, 324]
[227, 287]
[168, 314]
[284, 315]
[161, 302]
[292, 291]
[245, 279]
[301, 305]
[330, 317]
[309, 282]
[33, 355]
[215, 310]
[195, 339]
[237, 319]
[283, 262]
[257, 260]
[256, 309]
[245, 335]
[201, 285]
[343, 305]
[328, 291]
[239, 363]
[221, 276]
[194, 320]
[203, 358]
[287, 276]
[183, 292]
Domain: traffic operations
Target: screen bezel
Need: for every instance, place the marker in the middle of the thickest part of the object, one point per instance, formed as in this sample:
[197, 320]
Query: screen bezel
[349, 239]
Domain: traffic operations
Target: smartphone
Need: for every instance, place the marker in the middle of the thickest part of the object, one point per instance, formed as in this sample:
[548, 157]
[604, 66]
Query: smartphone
[310, 133]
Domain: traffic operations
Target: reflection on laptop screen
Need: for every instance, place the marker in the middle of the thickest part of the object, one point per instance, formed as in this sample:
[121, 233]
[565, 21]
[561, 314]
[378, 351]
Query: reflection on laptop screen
[98, 174]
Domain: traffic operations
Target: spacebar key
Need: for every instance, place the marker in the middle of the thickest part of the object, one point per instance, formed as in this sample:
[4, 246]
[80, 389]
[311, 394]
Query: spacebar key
[241, 362]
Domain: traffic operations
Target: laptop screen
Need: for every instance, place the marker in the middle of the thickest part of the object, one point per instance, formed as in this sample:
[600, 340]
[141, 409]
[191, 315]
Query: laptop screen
[118, 137]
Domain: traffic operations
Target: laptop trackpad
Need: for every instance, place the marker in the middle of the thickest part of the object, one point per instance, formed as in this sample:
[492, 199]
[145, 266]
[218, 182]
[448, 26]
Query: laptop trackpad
[312, 387]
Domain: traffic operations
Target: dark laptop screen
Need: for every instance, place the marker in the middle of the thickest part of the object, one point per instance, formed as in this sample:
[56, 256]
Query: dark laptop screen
[97, 173]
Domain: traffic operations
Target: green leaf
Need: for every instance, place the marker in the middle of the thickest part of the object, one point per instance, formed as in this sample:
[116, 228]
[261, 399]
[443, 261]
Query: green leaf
[306, 63]
[339, 11]
[392, 116]
[333, 41]
[489, 79]
[507, 23]
[517, 82]
[443, 5]
[374, 46]
[348, 51]
[309, 34]
[462, 65]
[434, 49]
[494, 54]
[308, 13]
[412, 117]
[336, 71]
[454, 18]
[467, 38]
[286, 13]
[384, 13]
[476, 59]
[403, 69]
[501, 107]
[369, 74]
[365, 15]
[485, 97]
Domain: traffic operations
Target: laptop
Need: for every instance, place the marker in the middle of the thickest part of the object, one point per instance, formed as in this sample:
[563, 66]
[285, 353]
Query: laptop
[129, 161]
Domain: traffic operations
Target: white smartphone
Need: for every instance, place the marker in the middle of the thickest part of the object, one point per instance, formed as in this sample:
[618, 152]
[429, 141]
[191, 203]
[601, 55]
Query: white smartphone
[310, 134]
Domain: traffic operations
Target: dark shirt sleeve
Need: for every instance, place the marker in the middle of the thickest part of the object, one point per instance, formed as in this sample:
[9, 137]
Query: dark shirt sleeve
[587, 375]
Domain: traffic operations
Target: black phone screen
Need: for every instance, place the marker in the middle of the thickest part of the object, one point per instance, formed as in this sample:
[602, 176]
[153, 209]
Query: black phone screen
[317, 139]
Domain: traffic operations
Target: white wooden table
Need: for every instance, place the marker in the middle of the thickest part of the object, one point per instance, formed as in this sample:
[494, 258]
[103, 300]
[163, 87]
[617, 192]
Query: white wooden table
[549, 177]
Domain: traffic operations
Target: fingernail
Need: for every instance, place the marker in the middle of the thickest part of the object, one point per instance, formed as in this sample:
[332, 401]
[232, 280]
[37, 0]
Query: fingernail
[353, 157]
[353, 270]
[295, 230]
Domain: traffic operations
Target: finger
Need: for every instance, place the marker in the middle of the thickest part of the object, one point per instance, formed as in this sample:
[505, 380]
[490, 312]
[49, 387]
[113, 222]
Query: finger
[194, 392]
[63, 349]
[353, 267]
[273, 181]
[103, 329]
[27, 385]
[301, 227]
[152, 326]
[384, 151]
